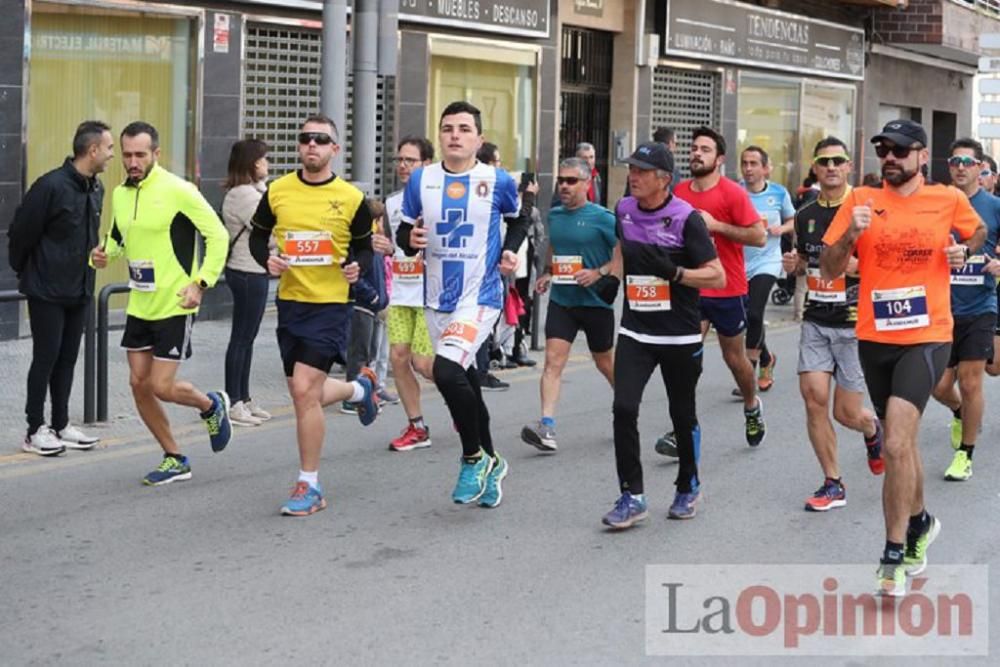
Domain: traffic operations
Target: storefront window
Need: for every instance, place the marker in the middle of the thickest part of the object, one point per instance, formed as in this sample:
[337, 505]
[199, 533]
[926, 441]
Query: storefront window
[502, 87]
[826, 111]
[769, 118]
[116, 67]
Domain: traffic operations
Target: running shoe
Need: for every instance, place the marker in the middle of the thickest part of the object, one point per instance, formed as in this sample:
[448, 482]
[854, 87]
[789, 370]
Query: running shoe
[829, 496]
[411, 438]
[368, 406]
[736, 393]
[348, 408]
[874, 448]
[765, 375]
[493, 493]
[73, 438]
[220, 429]
[305, 500]
[627, 512]
[683, 506]
[493, 383]
[915, 556]
[240, 415]
[960, 468]
[755, 427]
[43, 442]
[258, 412]
[891, 580]
[666, 445]
[172, 469]
[387, 397]
[472, 479]
[956, 433]
[540, 436]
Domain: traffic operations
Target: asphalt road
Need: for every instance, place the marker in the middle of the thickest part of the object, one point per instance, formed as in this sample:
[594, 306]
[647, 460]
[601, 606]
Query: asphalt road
[97, 569]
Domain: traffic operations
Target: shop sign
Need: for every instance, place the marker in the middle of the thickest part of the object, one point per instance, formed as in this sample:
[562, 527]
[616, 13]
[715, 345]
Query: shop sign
[82, 45]
[734, 32]
[513, 17]
[220, 34]
[590, 7]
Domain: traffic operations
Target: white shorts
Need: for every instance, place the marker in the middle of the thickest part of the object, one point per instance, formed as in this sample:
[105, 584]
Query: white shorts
[459, 335]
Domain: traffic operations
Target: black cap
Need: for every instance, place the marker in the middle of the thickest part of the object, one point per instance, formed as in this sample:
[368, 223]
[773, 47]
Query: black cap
[902, 133]
[652, 156]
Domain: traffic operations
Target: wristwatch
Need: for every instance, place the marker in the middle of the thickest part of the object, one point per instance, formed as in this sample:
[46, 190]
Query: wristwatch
[202, 284]
[603, 270]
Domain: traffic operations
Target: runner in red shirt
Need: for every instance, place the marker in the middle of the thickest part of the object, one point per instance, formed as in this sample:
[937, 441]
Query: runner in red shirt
[733, 222]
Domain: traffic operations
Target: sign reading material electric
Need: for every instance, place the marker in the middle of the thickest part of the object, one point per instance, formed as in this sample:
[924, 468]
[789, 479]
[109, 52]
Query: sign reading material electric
[515, 17]
[739, 33]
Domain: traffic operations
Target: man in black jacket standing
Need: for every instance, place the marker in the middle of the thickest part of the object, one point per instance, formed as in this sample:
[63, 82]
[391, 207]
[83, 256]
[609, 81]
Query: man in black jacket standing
[51, 236]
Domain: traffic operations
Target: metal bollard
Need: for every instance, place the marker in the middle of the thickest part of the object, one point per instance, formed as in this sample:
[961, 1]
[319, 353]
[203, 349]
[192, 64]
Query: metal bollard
[89, 341]
[102, 346]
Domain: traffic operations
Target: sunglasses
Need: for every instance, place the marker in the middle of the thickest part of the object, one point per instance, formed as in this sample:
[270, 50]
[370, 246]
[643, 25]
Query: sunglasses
[834, 160]
[898, 152]
[962, 161]
[321, 138]
[568, 180]
[985, 173]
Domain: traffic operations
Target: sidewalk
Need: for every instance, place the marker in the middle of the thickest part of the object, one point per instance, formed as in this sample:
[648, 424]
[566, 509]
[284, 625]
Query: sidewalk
[205, 369]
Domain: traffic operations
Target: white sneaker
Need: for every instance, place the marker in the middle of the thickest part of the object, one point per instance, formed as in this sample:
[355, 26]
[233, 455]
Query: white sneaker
[259, 413]
[73, 438]
[43, 443]
[240, 415]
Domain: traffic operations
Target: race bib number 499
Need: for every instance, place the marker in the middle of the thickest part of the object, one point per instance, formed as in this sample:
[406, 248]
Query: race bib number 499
[903, 308]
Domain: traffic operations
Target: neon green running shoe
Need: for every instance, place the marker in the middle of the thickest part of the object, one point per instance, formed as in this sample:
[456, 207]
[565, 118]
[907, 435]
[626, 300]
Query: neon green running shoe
[956, 432]
[960, 468]
[891, 580]
[915, 555]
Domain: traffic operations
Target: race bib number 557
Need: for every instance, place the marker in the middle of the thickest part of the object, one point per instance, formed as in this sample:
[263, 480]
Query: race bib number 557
[309, 248]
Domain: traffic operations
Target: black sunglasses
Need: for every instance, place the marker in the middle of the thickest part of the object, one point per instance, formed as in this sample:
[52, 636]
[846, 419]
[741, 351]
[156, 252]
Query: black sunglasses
[568, 180]
[321, 138]
[898, 152]
[827, 160]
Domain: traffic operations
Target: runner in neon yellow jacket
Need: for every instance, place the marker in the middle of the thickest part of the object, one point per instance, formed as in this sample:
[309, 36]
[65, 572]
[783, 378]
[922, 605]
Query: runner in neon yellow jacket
[154, 227]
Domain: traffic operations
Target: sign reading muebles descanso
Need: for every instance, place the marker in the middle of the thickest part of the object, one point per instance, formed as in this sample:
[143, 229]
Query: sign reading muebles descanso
[516, 17]
[746, 34]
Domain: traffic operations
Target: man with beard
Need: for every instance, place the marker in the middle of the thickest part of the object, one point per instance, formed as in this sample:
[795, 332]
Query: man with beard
[323, 232]
[733, 222]
[901, 234]
[828, 346]
[155, 217]
[974, 307]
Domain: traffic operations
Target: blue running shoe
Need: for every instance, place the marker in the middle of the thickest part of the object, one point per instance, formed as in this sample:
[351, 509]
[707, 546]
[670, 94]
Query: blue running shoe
[472, 479]
[627, 512]
[171, 469]
[305, 500]
[494, 492]
[683, 506]
[367, 407]
[220, 430]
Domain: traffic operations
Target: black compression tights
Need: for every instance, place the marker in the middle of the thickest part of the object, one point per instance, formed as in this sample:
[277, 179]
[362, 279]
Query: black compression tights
[460, 388]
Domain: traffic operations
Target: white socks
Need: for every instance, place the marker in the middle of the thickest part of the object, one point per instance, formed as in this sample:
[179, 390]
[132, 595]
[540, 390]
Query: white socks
[359, 392]
[310, 478]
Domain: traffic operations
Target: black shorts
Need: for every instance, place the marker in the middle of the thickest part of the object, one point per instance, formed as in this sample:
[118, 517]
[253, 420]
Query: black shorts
[169, 339]
[314, 334]
[972, 339]
[728, 314]
[909, 372]
[597, 323]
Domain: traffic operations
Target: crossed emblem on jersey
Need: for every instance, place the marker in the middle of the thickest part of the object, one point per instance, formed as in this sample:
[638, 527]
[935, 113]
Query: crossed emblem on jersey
[454, 229]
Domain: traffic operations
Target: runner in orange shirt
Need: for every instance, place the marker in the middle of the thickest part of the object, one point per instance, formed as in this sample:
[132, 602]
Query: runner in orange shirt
[901, 234]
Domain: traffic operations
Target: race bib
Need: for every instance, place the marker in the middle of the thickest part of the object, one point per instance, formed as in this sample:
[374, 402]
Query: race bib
[408, 269]
[903, 308]
[141, 276]
[971, 273]
[563, 268]
[826, 291]
[647, 293]
[461, 335]
[309, 248]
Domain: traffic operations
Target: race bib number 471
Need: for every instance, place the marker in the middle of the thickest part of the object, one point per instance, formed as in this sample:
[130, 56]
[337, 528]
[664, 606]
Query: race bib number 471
[309, 248]
[903, 308]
